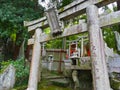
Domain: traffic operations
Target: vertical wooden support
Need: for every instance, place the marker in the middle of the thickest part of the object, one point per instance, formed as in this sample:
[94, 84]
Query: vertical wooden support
[34, 71]
[60, 63]
[82, 53]
[99, 67]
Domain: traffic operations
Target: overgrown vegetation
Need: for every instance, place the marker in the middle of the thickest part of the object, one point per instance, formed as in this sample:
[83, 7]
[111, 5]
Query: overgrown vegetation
[108, 32]
[12, 31]
[22, 71]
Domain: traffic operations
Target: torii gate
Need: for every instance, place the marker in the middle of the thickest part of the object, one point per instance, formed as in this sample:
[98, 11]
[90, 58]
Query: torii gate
[93, 26]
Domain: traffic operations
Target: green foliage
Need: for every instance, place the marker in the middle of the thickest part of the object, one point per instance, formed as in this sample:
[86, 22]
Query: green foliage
[47, 30]
[3, 66]
[108, 32]
[109, 37]
[22, 70]
[12, 15]
[115, 84]
[66, 2]
[23, 87]
[56, 44]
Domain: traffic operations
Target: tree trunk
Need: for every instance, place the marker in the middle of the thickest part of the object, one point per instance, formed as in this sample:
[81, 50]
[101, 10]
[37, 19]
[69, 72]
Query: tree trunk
[99, 67]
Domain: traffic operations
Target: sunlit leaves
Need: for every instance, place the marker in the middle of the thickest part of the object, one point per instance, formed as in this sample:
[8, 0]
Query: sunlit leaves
[13, 13]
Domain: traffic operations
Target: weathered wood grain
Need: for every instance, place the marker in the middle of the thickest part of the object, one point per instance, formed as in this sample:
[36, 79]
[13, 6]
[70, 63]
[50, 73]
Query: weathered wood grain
[35, 64]
[30, 41]
[106, 20]
[68, 12]
[67, 32]
[76, 2]
[110, 19]
[99, 67]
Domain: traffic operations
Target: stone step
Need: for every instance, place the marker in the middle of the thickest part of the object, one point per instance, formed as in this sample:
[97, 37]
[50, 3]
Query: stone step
[54, 77]
[60, 82]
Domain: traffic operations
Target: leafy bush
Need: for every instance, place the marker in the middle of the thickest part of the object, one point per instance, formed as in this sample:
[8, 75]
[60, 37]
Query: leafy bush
[3, 66]
[22, 70]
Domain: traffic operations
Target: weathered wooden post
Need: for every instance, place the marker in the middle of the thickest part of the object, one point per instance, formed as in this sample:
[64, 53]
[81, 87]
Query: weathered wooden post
[53, 20]
[52, 16]
[99, 67]
[34, 70]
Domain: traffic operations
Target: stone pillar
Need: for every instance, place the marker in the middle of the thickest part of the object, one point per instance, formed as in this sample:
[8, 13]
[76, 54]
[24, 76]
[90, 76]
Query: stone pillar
[99, 67]
[36, 55]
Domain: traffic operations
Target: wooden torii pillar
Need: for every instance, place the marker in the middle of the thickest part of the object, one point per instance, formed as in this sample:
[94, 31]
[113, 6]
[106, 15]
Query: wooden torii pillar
[35, 64]
[99, 67]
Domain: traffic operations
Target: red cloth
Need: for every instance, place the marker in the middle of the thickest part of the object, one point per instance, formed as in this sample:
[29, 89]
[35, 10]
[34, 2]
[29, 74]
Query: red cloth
[88, 52]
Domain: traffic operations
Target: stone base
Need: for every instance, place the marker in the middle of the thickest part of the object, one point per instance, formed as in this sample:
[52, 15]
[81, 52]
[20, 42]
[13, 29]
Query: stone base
[30, 89]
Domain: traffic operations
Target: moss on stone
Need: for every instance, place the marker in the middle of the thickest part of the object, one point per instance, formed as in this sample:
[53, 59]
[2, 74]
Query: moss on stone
[43, 23]
[20, 88]
[61, 9]
[4, 68]
[115, 84]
